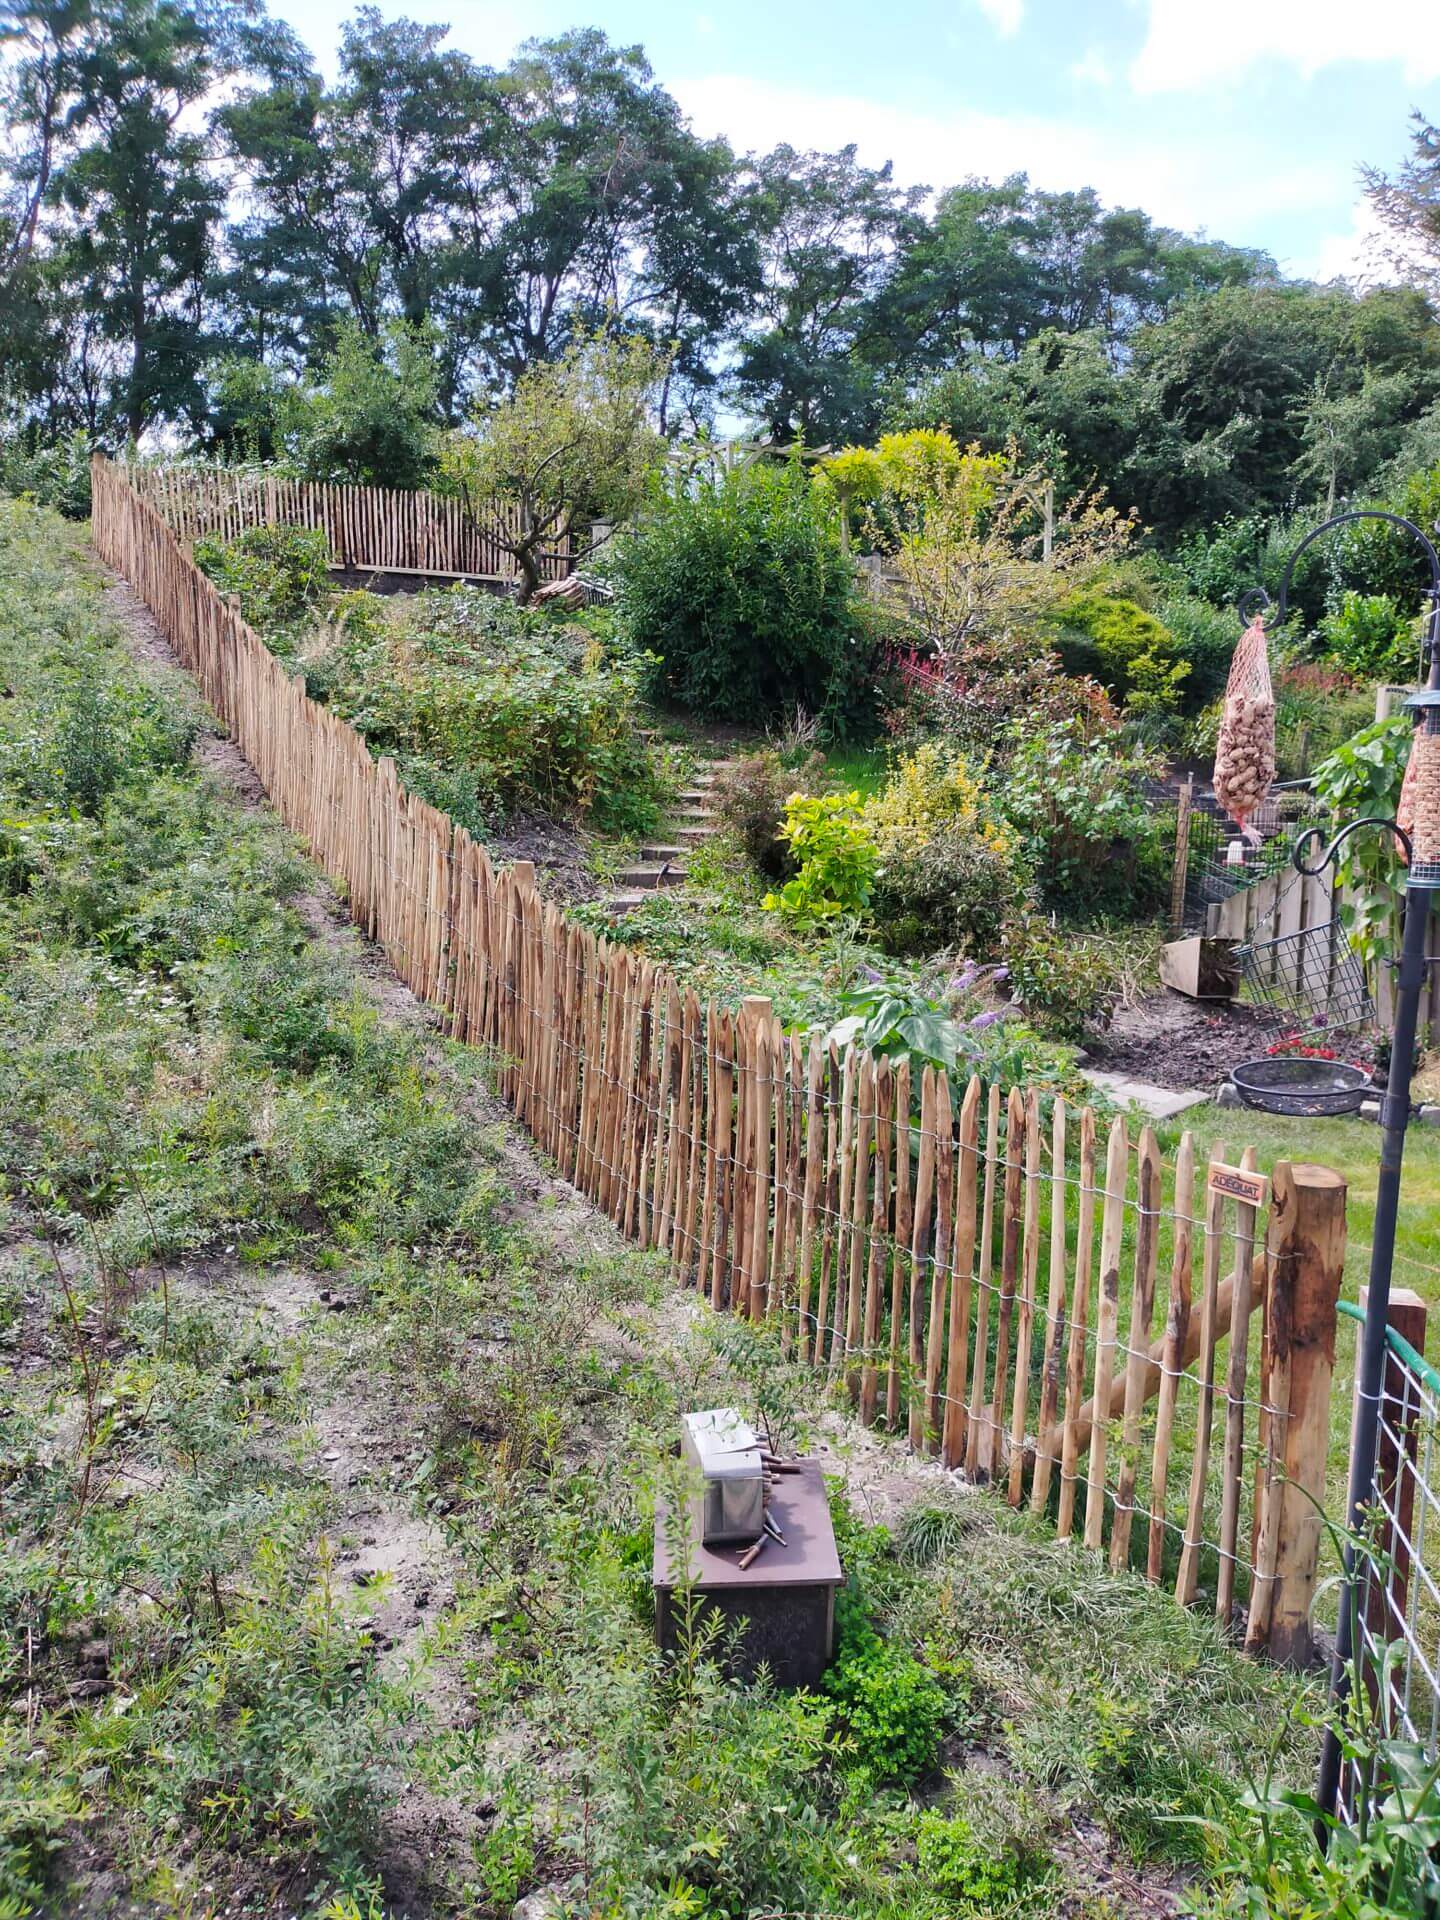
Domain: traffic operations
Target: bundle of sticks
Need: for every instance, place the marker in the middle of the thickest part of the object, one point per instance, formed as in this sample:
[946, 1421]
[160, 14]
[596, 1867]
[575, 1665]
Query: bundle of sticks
[774, 1467]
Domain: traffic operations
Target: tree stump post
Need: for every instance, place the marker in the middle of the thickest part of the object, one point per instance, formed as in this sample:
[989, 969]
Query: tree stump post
[1306, 1248]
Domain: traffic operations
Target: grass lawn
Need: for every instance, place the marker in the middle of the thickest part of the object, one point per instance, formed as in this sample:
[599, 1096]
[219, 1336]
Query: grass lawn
[861, 768]
[1352, 1148]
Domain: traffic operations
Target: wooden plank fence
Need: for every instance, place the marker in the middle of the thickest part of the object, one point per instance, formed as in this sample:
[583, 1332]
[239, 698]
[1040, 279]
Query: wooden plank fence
[1141, 1350]
[368, 529]
[1303, 911]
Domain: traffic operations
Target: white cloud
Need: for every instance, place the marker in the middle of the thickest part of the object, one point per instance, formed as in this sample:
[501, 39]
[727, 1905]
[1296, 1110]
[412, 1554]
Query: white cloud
[1354, 255]
[1366, 255]
[1092, 69]
[1189, 45]
[1004, 15]
[1186, 177]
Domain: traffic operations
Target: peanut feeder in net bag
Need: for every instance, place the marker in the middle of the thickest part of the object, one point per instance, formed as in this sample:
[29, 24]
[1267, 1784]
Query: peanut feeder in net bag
[1419, 810]
[1245, 751]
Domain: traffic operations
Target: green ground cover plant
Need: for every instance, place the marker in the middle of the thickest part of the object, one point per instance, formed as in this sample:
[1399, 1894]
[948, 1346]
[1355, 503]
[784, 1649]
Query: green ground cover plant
[490, 710]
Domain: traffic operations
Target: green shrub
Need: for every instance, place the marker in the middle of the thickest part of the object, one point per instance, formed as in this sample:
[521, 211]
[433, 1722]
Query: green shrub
[53, 473]
[951, 873]
[1205, 637]
[275, 1738]
[834, 856]
[1066, 985]
[892, 1708]
[1129, 651]
[1370, 635]
[1095, 844]
[750, 799]
[95, 738]
[371, 419]
[743, 592]
[492, 709]
[974, 1878]
[281, 574]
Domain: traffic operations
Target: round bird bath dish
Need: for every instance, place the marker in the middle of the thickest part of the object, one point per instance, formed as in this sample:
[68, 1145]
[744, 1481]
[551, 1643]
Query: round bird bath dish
[1296, 1085]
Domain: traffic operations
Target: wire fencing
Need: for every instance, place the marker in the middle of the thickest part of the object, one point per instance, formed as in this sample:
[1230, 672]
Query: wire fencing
[1139, 1348]
[1397, 1618]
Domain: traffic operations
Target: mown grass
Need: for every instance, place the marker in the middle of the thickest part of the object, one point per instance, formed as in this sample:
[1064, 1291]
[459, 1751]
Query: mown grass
[1352, 1148]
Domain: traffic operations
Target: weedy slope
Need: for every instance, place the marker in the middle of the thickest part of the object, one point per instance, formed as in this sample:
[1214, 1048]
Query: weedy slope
[331, 1422]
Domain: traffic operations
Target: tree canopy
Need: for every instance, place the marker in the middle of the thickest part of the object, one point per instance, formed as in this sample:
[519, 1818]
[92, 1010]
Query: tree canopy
[199, 232]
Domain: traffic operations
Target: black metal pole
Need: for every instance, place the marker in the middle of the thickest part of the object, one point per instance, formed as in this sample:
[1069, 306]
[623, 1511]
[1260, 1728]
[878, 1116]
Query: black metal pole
[1394, 1120]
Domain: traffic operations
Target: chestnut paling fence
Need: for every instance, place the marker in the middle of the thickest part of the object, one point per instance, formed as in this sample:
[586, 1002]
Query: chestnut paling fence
[1141, 1349]
[367, 529]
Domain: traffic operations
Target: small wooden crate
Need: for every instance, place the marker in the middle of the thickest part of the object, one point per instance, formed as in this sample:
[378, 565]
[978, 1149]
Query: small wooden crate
[785, 1597]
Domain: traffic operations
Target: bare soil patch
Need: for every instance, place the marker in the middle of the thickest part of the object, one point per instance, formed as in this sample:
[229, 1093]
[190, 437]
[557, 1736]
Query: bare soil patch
[1182, 1044]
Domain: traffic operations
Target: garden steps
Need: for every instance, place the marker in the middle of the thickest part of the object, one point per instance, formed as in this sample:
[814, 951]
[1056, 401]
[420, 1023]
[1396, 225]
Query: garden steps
[649, 875]
[663, 864]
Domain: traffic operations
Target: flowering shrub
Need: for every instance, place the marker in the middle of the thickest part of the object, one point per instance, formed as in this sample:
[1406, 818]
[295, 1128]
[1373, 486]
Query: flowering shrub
[951, 872]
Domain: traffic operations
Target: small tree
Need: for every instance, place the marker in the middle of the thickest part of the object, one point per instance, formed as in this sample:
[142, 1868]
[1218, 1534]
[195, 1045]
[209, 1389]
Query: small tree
[574, 442]
[976, 594]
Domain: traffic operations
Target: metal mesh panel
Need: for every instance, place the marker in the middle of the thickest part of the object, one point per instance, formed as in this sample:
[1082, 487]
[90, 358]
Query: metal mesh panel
[1312, 977]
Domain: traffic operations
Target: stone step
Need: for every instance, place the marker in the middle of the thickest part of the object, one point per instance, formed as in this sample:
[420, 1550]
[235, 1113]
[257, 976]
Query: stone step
[660, 873]
[662, 853]
[695, 797]
[693, 836]
[619, 904]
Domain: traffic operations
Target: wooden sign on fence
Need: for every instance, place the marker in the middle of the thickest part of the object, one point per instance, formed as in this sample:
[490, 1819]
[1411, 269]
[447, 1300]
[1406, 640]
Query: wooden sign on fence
[1237, 1184]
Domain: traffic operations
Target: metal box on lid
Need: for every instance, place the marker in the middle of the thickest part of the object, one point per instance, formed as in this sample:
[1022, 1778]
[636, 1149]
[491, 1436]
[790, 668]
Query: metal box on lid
[725, 1452]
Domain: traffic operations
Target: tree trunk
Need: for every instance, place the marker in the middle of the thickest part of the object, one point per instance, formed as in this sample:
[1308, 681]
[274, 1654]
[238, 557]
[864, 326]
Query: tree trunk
[529, 572]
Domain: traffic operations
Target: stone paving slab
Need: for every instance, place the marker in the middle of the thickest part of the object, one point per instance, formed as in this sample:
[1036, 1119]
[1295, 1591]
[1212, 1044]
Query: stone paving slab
[1160, 1103]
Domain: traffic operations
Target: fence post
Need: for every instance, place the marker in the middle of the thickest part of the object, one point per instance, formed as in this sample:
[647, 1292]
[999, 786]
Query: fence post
[1182, 858]
[1305, 1244]
[1388, 1590]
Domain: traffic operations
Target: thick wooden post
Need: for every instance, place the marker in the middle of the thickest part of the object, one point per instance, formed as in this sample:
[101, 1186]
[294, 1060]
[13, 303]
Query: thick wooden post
[1305, 1244]
[1388, 1590]
[1182, 859]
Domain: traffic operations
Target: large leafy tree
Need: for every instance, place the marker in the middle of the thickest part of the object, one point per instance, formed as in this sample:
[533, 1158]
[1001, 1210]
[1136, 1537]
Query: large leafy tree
[510, 209]
[1232, 381]
[1408, 203]
[114, 205]
[831, 232]
[1002, 263]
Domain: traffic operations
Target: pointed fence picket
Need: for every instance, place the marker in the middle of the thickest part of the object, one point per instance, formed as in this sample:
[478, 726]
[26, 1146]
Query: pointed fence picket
[367, 529]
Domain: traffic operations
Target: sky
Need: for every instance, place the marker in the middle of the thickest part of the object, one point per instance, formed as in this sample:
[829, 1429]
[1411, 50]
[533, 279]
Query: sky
[1246, 120]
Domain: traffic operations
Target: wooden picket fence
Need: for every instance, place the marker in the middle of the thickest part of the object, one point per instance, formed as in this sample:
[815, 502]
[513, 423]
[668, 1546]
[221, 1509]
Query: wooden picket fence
[1030, 1293]
[368, 529]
